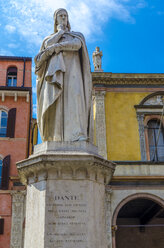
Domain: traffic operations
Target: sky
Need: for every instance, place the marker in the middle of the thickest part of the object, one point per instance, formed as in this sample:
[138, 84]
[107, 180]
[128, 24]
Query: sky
[130, 33]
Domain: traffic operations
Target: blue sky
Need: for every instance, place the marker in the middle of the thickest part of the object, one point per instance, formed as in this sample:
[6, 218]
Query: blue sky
[129, 32]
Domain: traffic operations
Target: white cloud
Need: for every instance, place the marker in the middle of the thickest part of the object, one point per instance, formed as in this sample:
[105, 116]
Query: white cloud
[13, 45]
[34, 110]
[10, 28]
[141, 4]
[33, 68]
[4, 52]
[34, 89]
[33, 18]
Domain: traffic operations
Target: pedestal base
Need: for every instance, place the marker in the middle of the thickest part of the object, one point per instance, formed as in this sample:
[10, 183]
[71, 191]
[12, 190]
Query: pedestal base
[65, 199]
[65, 147]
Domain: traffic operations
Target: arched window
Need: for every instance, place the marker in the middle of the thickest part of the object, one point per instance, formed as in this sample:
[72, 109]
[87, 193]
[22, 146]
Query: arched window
[156, 140]
[3, 123]
[1, 162]
[151, 109]
[12, 76]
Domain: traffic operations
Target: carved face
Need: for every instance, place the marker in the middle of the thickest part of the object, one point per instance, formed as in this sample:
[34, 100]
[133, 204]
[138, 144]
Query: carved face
[62, 18]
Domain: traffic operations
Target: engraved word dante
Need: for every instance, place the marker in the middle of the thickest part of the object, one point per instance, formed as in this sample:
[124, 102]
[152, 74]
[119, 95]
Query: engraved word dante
[66, 197]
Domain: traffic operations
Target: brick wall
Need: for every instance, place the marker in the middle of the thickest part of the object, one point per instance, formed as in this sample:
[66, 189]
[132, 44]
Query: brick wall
[4, 65]
[16, 147]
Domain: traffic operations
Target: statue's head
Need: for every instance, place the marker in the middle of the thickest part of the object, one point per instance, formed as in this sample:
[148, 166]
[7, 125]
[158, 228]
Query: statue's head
[97, 49]
[61, 18]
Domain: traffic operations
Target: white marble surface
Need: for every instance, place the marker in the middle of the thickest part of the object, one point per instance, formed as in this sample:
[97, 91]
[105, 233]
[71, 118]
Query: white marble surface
[97, 60]
[18, 215]
[139, 170]
[73, 147]
[65, 204]
[100, 123]
[63, 214]
[64, 85]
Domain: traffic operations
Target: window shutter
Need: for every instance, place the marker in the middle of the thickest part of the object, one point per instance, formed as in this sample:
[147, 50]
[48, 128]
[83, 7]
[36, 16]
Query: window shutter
[1, 226]
[11, 123]
[5, 172]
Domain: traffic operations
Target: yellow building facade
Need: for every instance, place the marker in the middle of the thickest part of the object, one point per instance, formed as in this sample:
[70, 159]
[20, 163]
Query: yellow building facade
[128, 114]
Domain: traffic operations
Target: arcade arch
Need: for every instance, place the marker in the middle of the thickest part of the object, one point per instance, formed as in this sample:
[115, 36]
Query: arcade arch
[138, 222]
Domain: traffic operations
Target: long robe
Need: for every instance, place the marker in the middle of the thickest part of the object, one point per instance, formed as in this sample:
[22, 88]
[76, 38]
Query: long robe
[64, 89]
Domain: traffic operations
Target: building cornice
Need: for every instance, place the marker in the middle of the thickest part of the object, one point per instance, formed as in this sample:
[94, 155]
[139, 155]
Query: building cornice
[16, 58]
[111, 79]
[10, 88]
[139, 162]
[15, 94]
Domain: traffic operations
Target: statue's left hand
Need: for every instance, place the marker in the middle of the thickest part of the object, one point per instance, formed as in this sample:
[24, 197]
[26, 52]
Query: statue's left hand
[51, 49]
[56, 48]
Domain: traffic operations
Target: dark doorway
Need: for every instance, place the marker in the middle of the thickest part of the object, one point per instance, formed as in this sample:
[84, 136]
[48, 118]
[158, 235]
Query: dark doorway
[140, 224]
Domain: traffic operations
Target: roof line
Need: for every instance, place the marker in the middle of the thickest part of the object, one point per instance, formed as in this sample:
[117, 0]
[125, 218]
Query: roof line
[15, 58]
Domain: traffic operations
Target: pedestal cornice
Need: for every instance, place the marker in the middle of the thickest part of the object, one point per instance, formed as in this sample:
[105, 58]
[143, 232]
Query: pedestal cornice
[66, 165]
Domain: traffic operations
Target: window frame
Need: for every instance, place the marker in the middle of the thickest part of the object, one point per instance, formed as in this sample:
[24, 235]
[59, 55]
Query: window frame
[6, 111]
[148, 119]
[14, 76]
[1, 159]
[151, 107]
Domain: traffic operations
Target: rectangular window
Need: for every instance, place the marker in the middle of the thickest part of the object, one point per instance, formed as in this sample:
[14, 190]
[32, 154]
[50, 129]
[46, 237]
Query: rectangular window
[12, 81]
[156, 140]
[3, 123]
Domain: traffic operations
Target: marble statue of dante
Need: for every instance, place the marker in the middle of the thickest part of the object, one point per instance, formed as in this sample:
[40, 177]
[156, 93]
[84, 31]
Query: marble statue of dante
[64, 84]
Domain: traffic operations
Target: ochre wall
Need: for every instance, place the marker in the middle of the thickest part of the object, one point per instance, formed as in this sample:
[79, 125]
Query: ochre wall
[122, 125]
[33, 135]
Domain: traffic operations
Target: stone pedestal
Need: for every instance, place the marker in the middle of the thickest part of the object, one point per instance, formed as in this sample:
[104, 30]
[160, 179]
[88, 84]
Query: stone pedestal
[65, 205]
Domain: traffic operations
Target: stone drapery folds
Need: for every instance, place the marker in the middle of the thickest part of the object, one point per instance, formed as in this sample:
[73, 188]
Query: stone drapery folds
[64, 88]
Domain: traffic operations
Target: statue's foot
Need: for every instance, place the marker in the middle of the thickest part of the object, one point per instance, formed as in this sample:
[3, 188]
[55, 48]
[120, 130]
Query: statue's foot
[82, 138]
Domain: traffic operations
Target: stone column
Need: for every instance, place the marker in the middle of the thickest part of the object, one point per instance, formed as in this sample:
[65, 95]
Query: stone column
[114, 229]
[65, 196]
[140, 118]
[108, 217]
[18, 199]
[100, 123]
